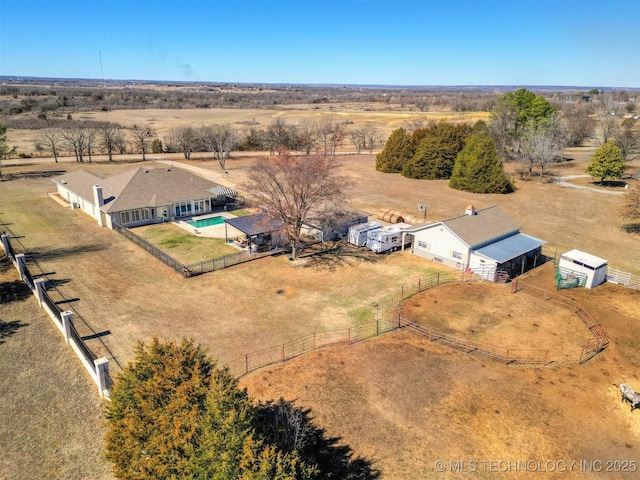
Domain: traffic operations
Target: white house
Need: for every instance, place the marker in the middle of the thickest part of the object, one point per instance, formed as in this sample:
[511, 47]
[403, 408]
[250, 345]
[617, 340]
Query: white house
[487, 242]
[141, 196]
[583, 264]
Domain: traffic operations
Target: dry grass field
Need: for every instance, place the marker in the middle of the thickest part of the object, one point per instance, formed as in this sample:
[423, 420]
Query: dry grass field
[395, 400]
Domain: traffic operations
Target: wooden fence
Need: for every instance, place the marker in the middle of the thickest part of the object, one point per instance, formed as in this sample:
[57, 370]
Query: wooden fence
[600, 339]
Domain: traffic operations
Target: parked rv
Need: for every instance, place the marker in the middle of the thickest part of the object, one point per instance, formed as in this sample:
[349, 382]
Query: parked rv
[358, 233]
[387, 239]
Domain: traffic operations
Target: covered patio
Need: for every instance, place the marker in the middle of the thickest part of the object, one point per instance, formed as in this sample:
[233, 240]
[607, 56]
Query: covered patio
[261, 232]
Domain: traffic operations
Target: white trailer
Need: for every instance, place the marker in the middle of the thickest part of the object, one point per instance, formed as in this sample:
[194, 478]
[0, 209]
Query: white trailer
[358, 233]
[387, 239]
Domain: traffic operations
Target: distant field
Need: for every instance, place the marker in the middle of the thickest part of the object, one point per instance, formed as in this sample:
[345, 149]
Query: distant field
[163, 120]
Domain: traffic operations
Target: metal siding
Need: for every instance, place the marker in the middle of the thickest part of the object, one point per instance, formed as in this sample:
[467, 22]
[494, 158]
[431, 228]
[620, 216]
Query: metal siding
[443, 243]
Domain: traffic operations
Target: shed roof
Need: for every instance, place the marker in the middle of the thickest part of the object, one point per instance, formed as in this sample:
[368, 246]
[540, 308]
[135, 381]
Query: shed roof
[584, 258]
[510, 247]
[255, 224]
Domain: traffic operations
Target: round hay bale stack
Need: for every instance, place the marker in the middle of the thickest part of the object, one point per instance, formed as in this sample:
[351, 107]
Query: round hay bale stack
[387, 216]
[396, 217]
[411, 219]
[382, 213]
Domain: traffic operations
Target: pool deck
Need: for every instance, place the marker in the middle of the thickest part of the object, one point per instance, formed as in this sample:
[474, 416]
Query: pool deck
[213, 231]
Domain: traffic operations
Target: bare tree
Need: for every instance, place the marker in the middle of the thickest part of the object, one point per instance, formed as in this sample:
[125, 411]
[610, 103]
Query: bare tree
[92, 137]
[111, 139]
[337, 136]
[607, 113]
[141, 135]
[372, 135]
[543, 141]
[76, 138]
[289, 187]
[414, 123]
[185, 138]
[307, 135]
[628, 139]
[52, 140]
[279, 136]
[578, 126]
[358, 139]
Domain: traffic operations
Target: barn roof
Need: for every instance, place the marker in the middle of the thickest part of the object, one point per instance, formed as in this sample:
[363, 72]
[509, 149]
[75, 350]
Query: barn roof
[486, 226]
[255, 224]
[510, 247]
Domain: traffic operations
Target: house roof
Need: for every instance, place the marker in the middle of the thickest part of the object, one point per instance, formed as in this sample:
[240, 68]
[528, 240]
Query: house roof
[140, 187]
[482, 228]
[255, 224]
[510, 247]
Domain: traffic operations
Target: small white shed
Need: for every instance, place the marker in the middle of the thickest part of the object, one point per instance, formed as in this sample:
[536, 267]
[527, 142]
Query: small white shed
[583, 263]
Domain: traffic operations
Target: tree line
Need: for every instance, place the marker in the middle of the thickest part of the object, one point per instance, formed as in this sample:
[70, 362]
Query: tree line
[85, 139]
[523, 127]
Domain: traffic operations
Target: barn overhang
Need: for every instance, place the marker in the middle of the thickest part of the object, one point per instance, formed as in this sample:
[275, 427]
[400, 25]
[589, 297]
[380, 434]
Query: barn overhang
[509, 248]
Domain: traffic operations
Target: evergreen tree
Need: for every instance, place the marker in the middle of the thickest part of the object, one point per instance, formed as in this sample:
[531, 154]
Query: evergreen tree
[437, 150]
[478, 168]
[396, 152]
[607, 162]
[173, 414]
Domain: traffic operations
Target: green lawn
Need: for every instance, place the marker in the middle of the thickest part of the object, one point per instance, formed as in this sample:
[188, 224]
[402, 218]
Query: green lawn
[182, 245]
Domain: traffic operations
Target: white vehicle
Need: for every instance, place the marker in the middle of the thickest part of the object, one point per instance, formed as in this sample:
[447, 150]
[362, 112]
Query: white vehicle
[358, 233]
[387, 239]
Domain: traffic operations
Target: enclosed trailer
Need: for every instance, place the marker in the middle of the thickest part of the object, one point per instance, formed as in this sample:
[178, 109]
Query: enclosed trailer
[387, 239]
[358, 233]
[584, 264]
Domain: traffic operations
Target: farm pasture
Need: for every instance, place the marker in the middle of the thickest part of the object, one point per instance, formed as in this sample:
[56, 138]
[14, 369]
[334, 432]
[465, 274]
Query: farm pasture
[396, 400]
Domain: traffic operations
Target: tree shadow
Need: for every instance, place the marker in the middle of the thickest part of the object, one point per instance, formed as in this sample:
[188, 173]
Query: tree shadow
[631, 228]
[13, 291]
[7, 329]
[332, 254]
[64, 252]
[32, 175]
[290, 428]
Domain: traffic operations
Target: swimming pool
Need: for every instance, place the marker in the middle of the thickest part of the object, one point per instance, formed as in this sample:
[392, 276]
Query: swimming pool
[206, 222]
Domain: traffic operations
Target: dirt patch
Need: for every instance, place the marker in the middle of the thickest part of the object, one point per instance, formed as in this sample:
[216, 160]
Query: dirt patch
[490, 313]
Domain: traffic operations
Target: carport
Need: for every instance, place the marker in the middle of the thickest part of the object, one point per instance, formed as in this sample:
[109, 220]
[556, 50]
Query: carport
[514, 255]
[261, 231]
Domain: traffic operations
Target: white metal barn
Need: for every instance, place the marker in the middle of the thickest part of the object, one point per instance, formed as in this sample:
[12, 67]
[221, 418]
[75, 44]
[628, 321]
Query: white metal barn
[487, 242]
[582, 263]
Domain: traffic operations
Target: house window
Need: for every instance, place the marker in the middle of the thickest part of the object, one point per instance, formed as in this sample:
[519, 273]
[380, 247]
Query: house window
[457, 255]
[125, 218]
[423, 244]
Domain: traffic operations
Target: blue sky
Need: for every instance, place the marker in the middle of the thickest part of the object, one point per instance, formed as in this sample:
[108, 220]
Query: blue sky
[592, 43]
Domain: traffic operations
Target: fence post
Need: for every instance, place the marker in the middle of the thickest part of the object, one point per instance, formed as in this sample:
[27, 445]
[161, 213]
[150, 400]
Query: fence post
[506, 357]
[438, 279]
[67, 320]
[419, 284]
[20, 265]
[39, 284]
[514, 286]
[282, 353]
[246, 363]
[6, 244]
[102, 371]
